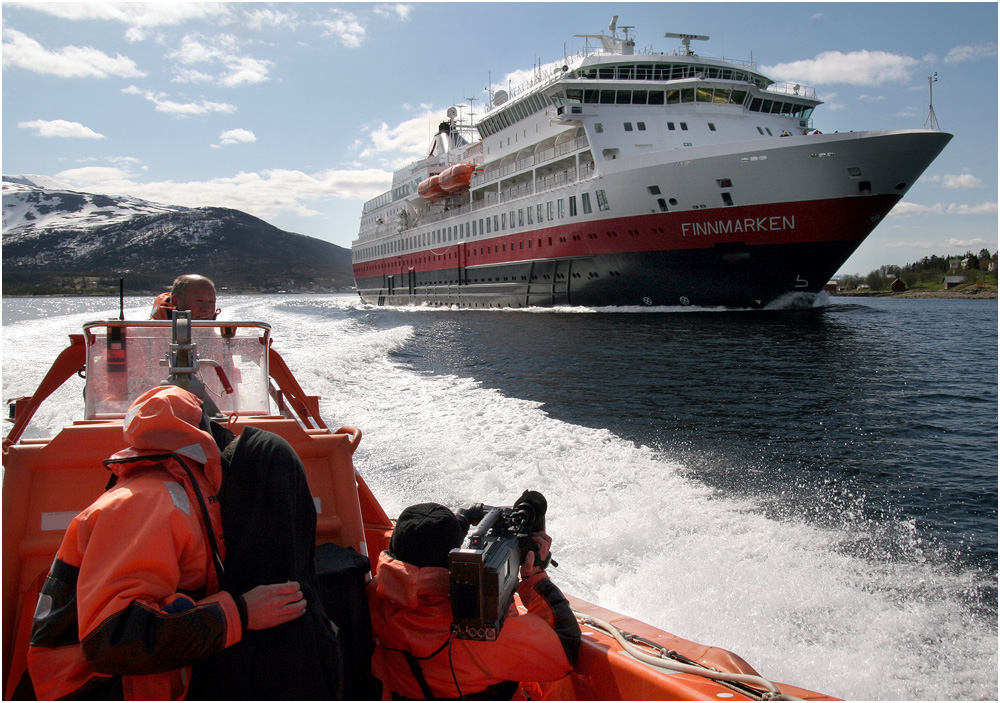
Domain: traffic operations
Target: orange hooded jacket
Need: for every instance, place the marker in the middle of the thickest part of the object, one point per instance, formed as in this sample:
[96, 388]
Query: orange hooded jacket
[132, 597]
[411, 612]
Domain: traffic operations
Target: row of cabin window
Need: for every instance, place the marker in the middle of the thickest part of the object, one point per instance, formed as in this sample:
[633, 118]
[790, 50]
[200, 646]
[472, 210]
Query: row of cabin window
[676, 96]
[641, 126]
[513, 114]
[665, 72]
[548, 211]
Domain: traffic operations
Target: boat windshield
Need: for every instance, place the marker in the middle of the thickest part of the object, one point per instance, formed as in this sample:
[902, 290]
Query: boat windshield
[127, 358]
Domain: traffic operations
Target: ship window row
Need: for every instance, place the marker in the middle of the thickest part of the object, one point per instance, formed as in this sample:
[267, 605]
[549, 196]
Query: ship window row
[673, 96]
[513, 114]
[667, 72]
[549, 211]
[677, 96]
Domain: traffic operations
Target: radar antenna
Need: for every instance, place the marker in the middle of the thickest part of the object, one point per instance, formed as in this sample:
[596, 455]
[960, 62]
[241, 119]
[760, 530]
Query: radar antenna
[686, 40]
[931, 121]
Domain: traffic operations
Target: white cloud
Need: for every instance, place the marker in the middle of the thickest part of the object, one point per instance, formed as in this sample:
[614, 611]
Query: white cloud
[345, 26]
[400, 11]
[260, 20]
[237, 136]
[190, 75]
[267, 194]
[244, 71]
[22, 51]
[854, 68]
[963, 180]
[970, 53]
[407, 141]
[905, 209]
[60, 128]
[223, 49]
[163, 104]
[138, 16]
[986, 208]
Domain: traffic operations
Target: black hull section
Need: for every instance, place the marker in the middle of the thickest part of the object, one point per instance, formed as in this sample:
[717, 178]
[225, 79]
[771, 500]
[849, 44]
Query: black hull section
[733, 276]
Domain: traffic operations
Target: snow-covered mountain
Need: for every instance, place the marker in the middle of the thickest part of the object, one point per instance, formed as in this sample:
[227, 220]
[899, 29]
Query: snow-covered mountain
[40, 202]
[48, 227]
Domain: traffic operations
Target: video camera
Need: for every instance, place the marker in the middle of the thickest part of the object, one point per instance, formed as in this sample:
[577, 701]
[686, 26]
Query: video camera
[484, 571]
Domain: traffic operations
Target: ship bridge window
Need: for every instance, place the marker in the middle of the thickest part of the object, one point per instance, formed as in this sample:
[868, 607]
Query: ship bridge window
[639, 97]
[626, 73]
[623, 97]
[608, 97]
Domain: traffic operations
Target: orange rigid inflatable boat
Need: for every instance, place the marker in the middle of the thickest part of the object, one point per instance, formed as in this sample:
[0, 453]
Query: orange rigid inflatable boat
[48, 481]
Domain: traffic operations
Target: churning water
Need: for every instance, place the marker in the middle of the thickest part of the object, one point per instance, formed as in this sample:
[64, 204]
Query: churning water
[814, 490]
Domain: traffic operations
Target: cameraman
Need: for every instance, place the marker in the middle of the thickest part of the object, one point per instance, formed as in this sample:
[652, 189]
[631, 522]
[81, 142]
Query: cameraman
[416, 655]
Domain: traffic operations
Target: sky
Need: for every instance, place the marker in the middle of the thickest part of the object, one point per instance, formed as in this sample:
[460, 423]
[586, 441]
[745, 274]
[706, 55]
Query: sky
[298, 113]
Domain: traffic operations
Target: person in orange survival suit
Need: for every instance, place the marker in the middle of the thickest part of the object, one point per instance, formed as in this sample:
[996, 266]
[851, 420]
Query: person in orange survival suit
[189, 292]
[132, 598]
[416, 655]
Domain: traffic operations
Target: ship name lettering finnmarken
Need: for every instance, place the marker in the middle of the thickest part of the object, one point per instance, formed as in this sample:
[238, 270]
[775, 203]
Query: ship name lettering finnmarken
[775, 223]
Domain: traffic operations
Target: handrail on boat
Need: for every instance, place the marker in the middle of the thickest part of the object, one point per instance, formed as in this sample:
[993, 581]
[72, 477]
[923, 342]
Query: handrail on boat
[74, 358]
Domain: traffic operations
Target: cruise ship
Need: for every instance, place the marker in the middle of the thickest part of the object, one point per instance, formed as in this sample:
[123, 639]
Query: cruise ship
[625, 177]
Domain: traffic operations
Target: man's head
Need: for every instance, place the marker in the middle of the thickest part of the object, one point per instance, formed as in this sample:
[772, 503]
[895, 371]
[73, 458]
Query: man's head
[424, 535]
[195, 293]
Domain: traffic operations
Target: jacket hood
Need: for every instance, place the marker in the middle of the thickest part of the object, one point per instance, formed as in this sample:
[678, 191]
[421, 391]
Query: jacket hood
[419, 606]
[168, 419]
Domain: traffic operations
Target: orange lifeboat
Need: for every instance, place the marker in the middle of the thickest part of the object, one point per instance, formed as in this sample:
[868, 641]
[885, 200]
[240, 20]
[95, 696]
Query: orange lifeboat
[430, 189]
[457, 177]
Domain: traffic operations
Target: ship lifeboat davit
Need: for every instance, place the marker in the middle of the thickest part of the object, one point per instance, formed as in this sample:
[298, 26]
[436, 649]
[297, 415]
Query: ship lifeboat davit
[430, 189]
[457, 177]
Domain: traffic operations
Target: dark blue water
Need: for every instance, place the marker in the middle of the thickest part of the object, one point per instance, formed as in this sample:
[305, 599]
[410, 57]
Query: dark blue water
[881, 408]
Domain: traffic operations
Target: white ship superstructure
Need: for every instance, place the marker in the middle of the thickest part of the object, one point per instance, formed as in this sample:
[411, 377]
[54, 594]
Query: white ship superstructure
[624, 178]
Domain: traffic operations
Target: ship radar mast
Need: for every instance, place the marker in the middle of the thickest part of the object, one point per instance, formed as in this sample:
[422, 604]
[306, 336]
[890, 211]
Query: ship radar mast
[613, 44]
[686, 40]
[931, 121]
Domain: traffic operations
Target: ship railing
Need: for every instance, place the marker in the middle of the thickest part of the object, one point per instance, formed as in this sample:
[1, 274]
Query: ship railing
[792, 89]
[483, 177]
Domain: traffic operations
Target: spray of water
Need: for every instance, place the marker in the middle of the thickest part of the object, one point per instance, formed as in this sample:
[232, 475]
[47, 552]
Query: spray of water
[633, 531]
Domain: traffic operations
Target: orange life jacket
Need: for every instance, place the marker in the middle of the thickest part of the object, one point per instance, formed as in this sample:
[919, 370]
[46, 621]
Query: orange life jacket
[161, 307]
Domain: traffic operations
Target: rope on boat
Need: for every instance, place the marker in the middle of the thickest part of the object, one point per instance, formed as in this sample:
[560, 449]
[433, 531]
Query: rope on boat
[664, 661]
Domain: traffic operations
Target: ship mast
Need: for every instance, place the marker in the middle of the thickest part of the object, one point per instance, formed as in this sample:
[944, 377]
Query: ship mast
[931, 121]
